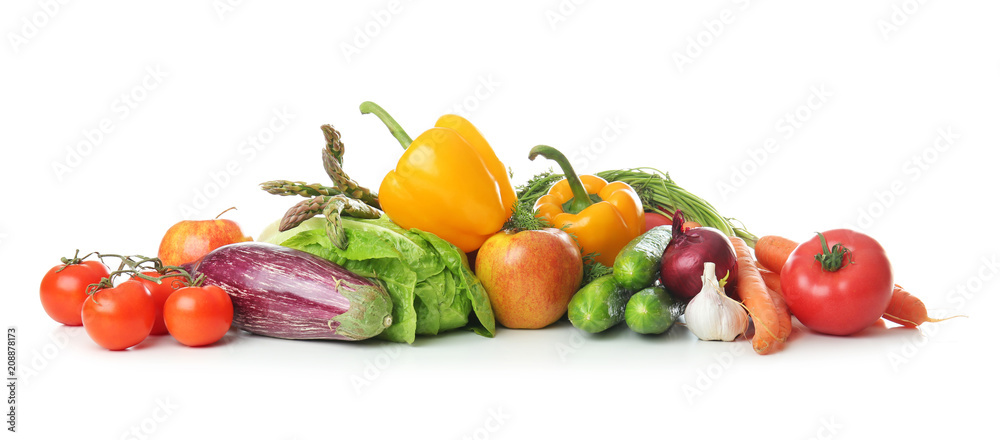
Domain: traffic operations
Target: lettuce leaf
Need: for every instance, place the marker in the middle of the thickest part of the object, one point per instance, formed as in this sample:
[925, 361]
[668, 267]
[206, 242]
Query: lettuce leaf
[384, 265]
[400, 282]
[429, 280]
[468, 286]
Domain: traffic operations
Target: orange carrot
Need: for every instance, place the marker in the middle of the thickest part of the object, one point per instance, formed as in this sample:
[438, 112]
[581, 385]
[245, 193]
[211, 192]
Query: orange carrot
[908, 310]
[784, 315]
[751, 289]
[771, 279]
[772, 251]
[773, 283]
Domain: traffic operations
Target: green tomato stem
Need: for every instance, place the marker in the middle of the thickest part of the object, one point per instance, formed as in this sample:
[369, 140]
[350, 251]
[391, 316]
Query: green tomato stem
[832, 259]
[397, 131]
[581, 199]
[77, 259]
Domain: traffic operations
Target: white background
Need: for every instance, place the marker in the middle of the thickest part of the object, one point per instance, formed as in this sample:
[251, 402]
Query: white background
[697, 89]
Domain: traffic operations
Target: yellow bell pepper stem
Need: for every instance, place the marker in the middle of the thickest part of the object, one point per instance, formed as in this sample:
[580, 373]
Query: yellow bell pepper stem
[581, 199]
[397, 131]
[602, 216]
[448, 182]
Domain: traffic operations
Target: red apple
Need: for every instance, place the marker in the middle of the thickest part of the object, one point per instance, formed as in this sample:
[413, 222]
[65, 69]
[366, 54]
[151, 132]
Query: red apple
[529, 276]
[189, 240]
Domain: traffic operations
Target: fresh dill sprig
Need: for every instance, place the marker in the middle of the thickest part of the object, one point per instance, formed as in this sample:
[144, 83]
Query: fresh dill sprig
[523, 219]
[593, 270]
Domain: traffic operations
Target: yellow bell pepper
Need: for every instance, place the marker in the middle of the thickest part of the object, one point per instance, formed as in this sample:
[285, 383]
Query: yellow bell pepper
[449, 182]
[602, 216]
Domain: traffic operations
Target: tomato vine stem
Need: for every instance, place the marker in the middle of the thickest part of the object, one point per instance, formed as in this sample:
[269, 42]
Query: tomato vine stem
[833, 259]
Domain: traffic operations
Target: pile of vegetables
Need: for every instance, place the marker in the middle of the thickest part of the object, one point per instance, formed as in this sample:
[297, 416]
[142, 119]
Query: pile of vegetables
[659, 195]
[418, 254]
[428, 279]
[154, 300]
[629, 294]
[838, 283]
[348, 263]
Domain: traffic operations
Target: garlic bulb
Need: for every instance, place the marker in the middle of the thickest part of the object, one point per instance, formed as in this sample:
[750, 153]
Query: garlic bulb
[713, 316]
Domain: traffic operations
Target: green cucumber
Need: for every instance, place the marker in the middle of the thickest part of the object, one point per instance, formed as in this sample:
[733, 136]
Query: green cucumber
[651, 311]
[637, 265]
[599, 305]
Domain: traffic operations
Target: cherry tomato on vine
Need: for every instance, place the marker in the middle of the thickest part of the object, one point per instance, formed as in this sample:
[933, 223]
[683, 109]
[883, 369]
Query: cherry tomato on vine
[64, 289]
[839, 282]
[160, 292]
[119, 317]
[197, 316]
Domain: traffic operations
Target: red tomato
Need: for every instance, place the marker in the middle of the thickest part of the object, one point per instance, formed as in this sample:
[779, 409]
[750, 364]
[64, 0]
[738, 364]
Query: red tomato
[119, 317]
[160, 293]
[198, 316]
[846, 300]
[654, 219]
[64, 289]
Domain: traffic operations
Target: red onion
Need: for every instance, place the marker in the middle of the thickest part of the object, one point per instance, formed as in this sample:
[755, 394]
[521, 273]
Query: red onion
[685, 257]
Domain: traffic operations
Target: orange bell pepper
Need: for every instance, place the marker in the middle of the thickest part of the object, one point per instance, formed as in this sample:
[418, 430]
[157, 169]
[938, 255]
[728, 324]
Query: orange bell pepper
[449, 182]
[602, 216]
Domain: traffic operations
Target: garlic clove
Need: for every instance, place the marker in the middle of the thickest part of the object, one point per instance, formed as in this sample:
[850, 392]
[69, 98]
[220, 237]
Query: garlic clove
[713, 316]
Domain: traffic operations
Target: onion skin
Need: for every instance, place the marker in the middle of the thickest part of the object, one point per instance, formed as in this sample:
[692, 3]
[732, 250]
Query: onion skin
[291, 294]
[684, 260]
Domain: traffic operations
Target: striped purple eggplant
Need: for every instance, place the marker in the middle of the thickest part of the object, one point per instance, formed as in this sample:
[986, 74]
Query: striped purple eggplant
[287, 293]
